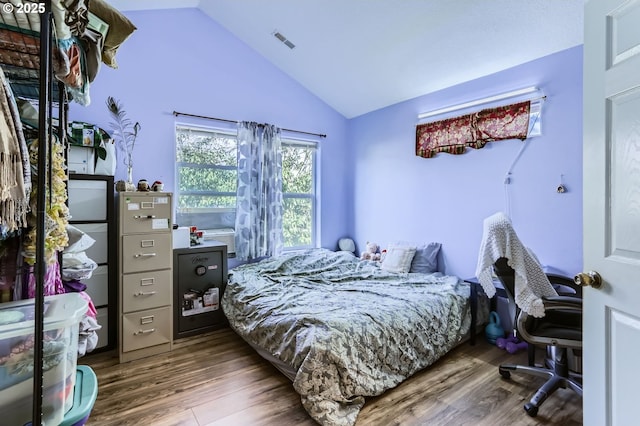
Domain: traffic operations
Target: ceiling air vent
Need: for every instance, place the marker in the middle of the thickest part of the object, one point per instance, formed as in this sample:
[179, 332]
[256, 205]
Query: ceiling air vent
[283, 39]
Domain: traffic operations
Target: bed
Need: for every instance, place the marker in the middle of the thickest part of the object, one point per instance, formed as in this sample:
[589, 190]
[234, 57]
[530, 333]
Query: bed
[343, 329]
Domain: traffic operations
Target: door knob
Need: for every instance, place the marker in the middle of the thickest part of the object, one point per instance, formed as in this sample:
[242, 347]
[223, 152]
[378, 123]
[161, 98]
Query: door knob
[591, 278]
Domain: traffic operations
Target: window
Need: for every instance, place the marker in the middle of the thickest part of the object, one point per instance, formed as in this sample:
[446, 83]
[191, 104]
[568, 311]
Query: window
[206, 178]
[298, 193]
[206, 182]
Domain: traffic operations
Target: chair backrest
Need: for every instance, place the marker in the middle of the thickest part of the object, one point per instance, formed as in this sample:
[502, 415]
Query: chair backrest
[564, 286]
[499, 239]
[506, 275]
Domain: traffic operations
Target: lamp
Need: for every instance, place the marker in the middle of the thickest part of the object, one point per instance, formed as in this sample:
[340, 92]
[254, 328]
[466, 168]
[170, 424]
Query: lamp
[528, 93]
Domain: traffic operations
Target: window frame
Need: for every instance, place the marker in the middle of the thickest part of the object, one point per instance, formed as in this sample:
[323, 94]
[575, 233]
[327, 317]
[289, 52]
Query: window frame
[288, 141]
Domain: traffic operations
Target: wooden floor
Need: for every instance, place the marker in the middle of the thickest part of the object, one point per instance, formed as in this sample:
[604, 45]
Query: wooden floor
[217, 379]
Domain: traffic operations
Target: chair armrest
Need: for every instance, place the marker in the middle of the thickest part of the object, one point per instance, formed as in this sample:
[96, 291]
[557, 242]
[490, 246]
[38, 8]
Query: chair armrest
[568, 301]
[565, 285]
[560, 326]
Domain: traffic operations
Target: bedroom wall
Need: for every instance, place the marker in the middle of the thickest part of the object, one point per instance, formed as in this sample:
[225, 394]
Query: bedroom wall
[399, 196]
[182, 60]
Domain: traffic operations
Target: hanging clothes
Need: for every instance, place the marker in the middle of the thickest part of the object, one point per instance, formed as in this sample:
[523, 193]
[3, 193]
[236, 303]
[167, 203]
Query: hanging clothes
[14, 189]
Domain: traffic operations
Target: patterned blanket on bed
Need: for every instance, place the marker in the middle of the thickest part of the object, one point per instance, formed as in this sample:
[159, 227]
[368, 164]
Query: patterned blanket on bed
[349, 328]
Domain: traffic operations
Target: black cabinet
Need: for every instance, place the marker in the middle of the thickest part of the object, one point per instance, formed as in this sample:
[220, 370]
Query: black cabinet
[199, 280]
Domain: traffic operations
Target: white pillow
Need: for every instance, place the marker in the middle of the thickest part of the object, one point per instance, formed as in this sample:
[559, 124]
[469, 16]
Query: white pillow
[398, 258]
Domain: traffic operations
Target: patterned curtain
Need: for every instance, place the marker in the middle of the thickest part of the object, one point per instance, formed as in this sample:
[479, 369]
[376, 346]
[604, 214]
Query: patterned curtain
[259, 197]
[454, 135]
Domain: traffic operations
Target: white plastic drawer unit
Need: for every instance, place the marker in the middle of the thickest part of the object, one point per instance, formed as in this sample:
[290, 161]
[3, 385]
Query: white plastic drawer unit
[87, 199]
[103, 333]
[99, 251]
[146, 328]
[146, 290]
[98, 286]
[146, 252]
[146, 214]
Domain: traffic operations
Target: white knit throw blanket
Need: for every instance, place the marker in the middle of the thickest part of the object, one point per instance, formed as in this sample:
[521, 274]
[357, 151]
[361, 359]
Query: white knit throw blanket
[14, 199]
[499, 239]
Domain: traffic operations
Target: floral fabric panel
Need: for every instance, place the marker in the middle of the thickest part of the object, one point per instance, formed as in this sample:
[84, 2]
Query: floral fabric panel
[349, 328]
[454, 135]
[259, 206]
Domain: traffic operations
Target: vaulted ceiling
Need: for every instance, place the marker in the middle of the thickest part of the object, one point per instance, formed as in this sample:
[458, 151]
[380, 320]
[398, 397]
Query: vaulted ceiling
[362, 55]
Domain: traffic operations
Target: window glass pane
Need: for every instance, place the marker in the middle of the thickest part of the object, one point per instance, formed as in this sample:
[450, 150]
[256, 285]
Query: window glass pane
[204, 147]
[297, 222]
[297, 169]
[207, 179]
[187, 202]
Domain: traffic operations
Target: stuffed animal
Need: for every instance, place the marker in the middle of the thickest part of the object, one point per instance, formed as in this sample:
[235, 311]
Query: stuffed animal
[370, 252]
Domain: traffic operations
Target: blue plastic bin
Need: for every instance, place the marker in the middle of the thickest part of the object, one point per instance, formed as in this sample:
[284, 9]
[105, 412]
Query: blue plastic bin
[84, 396]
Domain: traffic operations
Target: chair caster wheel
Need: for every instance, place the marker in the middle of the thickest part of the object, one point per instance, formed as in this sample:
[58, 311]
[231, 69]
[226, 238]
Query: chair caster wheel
[505, 374]
[531, 409]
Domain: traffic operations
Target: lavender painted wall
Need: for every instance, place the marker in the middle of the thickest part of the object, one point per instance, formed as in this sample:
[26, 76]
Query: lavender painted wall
[398, 196]
[373, 187]
[182, 60]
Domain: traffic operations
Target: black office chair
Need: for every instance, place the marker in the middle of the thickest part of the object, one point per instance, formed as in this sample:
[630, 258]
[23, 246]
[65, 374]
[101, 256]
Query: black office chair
[559, 330]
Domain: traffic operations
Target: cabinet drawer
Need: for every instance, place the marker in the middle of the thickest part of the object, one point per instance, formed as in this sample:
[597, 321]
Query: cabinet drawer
[146, 328]
[98, 286]
[88, 199]
[99, 251]
[146, 252]
[103, 334]
[146, 290]
[145, 213]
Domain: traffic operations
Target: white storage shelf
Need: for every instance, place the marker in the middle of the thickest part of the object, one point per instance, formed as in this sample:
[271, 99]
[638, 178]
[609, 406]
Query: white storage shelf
[91, 207]
[81, 160]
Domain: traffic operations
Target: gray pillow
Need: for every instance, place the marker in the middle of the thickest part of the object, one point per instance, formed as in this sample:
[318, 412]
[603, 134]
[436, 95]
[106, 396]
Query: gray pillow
[426, 258]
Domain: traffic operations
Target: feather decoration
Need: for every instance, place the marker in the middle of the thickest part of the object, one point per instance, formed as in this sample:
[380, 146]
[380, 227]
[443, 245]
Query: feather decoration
[123, 130]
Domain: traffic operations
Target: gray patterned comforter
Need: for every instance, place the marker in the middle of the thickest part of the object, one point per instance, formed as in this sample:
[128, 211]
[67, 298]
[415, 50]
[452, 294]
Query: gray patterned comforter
[349, 328]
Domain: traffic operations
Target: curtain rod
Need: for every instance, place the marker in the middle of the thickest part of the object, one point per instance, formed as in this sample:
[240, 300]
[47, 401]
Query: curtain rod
[502, 96]
[176, 113]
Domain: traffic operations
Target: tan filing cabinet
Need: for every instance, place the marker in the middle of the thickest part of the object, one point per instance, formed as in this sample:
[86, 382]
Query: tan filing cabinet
[145, 271]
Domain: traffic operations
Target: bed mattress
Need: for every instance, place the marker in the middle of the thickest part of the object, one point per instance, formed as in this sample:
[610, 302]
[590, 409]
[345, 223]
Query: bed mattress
[344, 329]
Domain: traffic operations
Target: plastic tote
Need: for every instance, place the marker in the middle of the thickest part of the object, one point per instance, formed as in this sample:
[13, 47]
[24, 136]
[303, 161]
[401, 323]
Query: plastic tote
[62, 317]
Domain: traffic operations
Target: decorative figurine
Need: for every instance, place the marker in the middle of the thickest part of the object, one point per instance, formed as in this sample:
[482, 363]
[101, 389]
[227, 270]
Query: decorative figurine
[143, 185]
[121, 186]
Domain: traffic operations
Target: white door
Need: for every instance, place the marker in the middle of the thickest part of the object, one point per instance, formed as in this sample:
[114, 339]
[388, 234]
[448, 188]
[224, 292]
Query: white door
[611, 172]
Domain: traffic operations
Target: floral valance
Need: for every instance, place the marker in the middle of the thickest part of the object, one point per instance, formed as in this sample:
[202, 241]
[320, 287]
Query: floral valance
[454, 135]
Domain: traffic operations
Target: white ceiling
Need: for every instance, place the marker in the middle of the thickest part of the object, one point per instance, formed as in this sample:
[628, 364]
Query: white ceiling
[362, 55]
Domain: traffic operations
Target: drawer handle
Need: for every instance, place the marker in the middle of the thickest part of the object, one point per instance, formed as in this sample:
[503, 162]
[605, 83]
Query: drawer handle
[139, 216]
[144, 293]
[139, 332]
[144, 255]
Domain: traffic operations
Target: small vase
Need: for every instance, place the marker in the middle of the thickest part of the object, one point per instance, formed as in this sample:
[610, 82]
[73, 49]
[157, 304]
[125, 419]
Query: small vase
[129, 184]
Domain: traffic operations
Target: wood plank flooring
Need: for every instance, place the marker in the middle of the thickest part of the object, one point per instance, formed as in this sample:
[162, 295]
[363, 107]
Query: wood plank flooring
[217, 379]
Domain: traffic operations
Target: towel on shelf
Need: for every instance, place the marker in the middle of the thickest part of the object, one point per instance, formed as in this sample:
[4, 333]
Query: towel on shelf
[499, 239]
